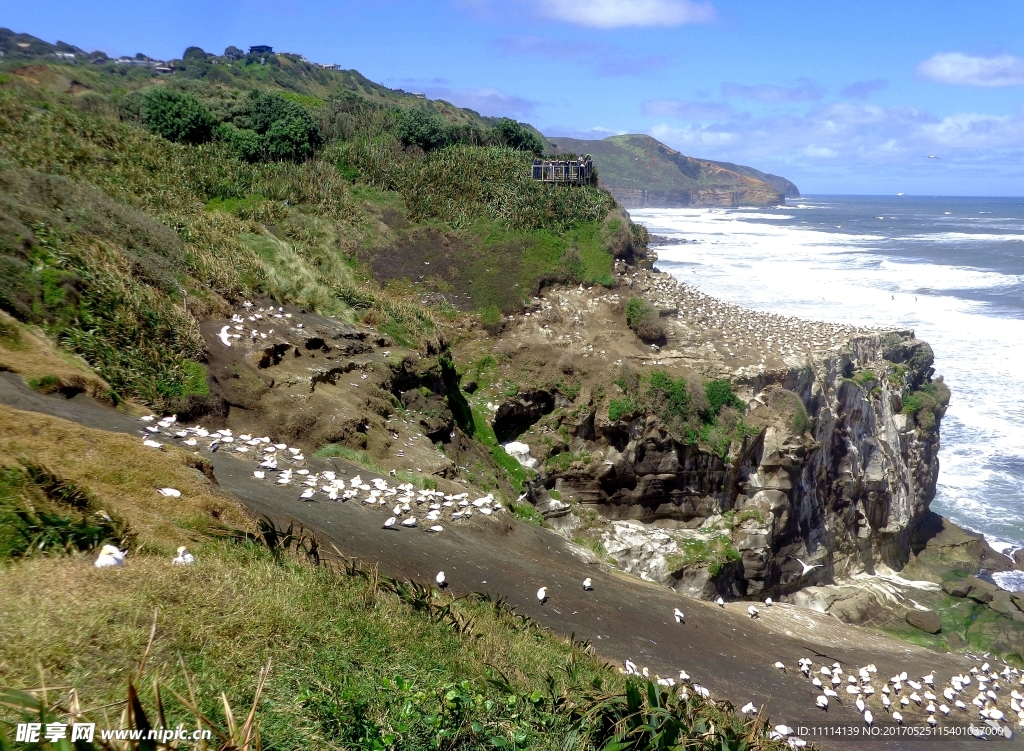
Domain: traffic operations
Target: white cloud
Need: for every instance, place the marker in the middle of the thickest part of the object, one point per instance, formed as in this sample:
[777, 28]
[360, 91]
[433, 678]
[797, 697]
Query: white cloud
[820, 152]
[485, 100]
[967, 70]
[610, 14]
[686, 109]
[803, 91]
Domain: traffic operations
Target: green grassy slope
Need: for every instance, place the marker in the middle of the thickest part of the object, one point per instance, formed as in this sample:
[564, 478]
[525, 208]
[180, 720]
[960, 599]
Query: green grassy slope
[117, 240]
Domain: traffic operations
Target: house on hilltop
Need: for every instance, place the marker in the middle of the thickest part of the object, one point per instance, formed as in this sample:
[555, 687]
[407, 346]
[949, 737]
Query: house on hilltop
[261, 49]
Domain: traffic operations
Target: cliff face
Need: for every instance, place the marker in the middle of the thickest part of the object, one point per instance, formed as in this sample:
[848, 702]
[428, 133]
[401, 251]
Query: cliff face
[641, 171]
[842, 490]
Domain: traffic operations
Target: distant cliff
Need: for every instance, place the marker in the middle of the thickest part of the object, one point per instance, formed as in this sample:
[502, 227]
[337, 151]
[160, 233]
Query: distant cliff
[781, 184]
[641, 171]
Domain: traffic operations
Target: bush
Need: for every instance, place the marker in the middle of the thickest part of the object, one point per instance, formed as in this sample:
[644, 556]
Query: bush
[643, 319]
[420, 128]
[274, 128]
[720, 394]
[619, 408]
[516, 136]
[177, 117]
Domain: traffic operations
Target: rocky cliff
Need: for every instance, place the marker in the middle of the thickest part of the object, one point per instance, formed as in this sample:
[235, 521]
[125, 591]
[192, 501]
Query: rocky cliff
[838, 467]
[641, 171]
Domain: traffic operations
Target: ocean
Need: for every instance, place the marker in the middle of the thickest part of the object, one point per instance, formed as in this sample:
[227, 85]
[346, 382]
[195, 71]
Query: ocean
[952, 269]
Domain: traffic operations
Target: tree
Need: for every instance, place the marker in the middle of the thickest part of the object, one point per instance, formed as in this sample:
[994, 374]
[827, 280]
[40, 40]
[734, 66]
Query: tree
[274, 128]
[194, 53]
[418, 127]
[176, 116]
[233, 53]
[516, 136]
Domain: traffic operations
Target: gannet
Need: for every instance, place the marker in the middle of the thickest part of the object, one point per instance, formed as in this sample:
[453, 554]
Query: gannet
[169, 492]
[440, 579]
[678, 615]
[542, 595]
[184, 557]
[588, 584]
[109, 556]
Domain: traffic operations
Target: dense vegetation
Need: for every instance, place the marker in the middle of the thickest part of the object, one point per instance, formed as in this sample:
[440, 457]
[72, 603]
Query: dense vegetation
[134, 205]
[692, 410]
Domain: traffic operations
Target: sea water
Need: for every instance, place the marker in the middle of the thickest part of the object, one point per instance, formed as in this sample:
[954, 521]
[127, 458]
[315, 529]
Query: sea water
[951, 269]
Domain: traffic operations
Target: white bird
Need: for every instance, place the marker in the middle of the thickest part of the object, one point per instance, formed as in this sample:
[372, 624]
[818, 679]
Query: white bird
[542, 595]
[587, 584]
[830, 693]
[816, 682]
[859, 704]
[410, 522]
[389, 523]
[441, 581]
[822, 702]
[885, 702]
[753, 612]
[932, 721]
[898, 718]
[678, 615]
[807, 569]
[929, 679]
[109, 556]
[748, 708]
[780, 666]
[768, 602]
[184, 557]
[169, 492]
[868, 717]
[152, 444]
[436, 528]
[720, 602]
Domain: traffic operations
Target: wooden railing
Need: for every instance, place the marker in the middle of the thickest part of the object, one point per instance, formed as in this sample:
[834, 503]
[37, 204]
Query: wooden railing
[556, 171]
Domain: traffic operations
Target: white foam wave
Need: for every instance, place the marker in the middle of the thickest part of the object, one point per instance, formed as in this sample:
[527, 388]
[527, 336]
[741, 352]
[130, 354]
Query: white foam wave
[845, 277]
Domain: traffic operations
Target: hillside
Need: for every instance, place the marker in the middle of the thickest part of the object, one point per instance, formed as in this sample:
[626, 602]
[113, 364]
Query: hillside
[781, 184]
[641, 171]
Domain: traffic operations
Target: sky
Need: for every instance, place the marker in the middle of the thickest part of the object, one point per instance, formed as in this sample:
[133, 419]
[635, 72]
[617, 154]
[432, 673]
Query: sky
[840, 97]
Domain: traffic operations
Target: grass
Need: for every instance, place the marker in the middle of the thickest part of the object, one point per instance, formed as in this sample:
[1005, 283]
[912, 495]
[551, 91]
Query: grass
[715, 552]
[107, 465]
[356, 456]
[927, 404]
[355, 660]
[562, 461]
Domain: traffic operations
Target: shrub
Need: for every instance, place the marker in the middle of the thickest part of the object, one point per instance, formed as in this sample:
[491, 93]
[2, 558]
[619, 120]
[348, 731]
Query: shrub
[176, 116]
[619, 408]
[417, 127]
[518, 137]
[643, 319]
[272, 127]
[720, 394]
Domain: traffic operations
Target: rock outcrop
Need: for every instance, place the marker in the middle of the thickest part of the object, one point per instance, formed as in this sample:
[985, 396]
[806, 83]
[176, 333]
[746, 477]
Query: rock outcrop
[842, 491]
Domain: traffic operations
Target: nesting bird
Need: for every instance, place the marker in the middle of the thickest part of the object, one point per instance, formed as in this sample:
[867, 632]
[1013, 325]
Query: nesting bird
[109, 557]
[184, 558]
[542, 595]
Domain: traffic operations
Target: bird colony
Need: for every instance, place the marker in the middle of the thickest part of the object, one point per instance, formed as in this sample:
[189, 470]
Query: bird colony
[285, 466]
[249, 325]
[985, 694]
[744, 332]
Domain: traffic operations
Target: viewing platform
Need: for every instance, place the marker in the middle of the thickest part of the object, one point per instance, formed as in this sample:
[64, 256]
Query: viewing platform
[567, 171]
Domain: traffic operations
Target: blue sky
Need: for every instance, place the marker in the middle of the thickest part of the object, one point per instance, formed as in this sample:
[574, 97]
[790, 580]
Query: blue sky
[840, 97]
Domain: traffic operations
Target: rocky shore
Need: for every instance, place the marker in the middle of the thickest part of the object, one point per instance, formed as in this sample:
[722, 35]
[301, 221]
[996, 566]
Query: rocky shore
[823, 502]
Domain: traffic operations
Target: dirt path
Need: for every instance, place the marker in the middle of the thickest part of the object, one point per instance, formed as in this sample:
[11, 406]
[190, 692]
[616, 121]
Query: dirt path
[721, 648]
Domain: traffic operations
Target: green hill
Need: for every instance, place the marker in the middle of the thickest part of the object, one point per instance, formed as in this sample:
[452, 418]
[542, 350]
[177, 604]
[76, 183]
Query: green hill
[641, 171]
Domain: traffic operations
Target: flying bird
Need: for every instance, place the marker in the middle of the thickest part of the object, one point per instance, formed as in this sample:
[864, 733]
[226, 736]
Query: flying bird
[807, 568]
[931, 156]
